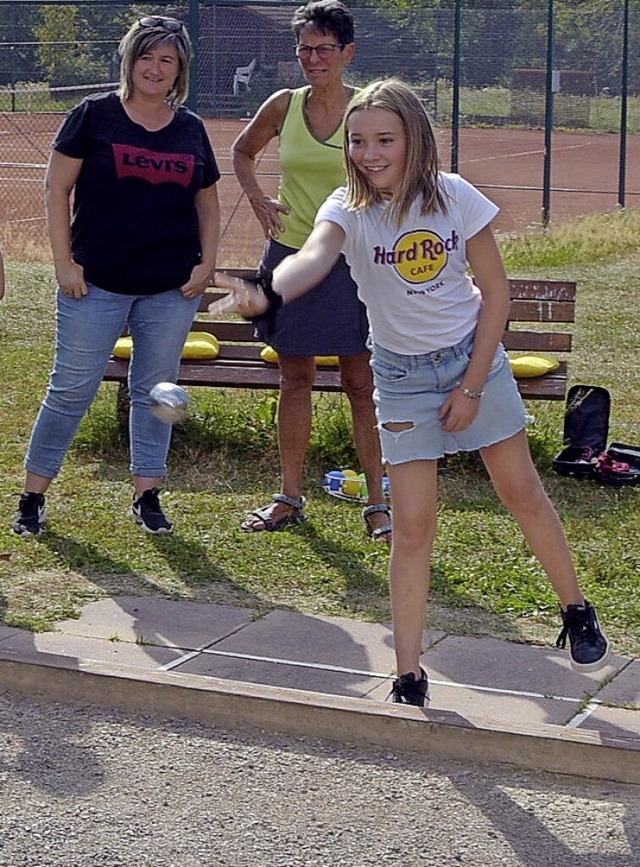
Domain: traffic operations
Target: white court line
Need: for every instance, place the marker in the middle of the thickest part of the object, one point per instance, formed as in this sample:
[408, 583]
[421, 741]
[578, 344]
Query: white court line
[576, 721]
[533, 153]
[341, 670]
[9, 180]
[23, 165]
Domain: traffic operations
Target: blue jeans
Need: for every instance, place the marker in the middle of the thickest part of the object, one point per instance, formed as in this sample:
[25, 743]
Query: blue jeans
[87, 329]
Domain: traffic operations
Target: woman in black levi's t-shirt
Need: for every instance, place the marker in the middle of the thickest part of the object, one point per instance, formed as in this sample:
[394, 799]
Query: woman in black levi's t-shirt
[136, 252]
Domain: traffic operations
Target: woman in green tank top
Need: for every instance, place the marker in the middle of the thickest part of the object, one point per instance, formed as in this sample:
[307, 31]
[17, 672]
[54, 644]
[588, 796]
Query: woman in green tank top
[329, 320]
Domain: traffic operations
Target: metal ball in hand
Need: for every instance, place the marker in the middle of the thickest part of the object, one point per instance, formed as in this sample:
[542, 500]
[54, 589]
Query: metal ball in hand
[169, 402]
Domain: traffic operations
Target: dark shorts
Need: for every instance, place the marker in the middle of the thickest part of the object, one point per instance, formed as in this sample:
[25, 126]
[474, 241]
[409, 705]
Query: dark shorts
[328, 320]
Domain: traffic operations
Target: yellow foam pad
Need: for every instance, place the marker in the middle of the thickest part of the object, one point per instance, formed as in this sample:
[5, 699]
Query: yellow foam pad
[198, 344]
[270, 355]
[528, 366]
[123, 347]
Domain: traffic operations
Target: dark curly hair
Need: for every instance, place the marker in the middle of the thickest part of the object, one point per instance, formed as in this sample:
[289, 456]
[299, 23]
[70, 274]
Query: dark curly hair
[328, 16]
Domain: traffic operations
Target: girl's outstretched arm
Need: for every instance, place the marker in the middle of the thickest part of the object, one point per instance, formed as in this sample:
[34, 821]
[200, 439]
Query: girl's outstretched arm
[294, 276]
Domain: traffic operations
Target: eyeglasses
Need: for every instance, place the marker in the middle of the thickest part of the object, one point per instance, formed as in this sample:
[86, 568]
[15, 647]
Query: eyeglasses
[323, 51]
[170, 24]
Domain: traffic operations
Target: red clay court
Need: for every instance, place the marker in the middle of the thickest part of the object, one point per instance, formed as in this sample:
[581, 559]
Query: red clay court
[506, 164]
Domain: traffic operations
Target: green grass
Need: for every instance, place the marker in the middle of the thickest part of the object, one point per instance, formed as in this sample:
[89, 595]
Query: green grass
[224, 462]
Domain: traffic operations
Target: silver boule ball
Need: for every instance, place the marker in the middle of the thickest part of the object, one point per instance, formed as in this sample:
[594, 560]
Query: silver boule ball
[169, 402]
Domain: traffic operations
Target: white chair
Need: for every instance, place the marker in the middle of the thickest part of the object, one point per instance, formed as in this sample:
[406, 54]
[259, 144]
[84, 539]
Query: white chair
[243, 75]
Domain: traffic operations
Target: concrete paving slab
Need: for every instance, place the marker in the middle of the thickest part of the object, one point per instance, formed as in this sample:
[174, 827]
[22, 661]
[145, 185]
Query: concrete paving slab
[336, 641]
[498, 707]
[315, 679]
[162, 622]
[31, 647]
[615, 723]
[504, 665]
[8, 631]
[624, 689]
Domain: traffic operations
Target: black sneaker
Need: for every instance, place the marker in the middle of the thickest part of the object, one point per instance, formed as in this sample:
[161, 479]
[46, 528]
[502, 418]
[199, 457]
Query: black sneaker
[590, 647]
[407, 690]
[147, 512]
[32, 513]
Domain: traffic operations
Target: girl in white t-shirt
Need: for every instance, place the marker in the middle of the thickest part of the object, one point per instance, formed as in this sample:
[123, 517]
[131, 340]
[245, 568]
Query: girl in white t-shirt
[442, 378]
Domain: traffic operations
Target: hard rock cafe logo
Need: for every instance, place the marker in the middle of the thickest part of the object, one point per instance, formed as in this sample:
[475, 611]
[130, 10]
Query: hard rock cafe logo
[419, 256]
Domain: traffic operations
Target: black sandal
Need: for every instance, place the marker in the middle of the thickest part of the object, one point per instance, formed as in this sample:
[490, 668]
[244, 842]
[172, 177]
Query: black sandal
[269, 525]
[378, 533]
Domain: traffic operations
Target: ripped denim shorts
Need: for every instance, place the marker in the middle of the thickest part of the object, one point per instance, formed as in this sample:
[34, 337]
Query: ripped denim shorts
[412, 388]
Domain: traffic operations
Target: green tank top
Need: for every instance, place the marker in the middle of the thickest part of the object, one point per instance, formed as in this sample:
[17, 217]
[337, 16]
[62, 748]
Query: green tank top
[310, 170]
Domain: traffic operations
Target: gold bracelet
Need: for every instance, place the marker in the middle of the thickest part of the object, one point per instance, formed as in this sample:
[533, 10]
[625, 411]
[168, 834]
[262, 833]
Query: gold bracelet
[472, 395]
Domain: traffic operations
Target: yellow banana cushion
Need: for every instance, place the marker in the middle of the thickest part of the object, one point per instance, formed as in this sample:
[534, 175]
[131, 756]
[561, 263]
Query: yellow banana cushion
[271, 356]
[198, 344]
[528, 366]
[123, 347]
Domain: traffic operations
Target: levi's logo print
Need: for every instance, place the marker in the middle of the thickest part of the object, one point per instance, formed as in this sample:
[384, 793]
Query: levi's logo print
[156, 168]
[418, 256]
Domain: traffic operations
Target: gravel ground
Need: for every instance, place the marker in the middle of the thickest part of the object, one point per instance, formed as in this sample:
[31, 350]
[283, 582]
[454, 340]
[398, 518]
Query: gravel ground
[84, 787]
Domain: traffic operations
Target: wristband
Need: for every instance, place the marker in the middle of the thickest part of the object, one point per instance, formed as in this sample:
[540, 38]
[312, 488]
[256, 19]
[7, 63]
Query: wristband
[472, 395]
[264, 281]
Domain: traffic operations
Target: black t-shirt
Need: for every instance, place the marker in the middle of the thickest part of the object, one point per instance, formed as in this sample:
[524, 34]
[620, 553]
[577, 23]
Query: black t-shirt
[135, 227]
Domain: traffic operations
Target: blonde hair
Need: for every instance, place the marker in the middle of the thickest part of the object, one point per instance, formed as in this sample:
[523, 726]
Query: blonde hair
[421, 172]
[138, 41]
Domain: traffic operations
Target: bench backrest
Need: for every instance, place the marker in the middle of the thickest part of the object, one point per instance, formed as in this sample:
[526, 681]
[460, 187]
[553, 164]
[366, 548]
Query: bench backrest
[539, 302]
[543, 302]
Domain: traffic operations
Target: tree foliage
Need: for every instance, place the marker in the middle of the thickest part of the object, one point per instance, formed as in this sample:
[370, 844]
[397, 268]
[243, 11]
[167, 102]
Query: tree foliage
[411, 37]
[497, 36]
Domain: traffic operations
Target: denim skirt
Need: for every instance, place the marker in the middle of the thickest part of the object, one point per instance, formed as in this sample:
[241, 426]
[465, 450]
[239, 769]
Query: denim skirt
[412, 388]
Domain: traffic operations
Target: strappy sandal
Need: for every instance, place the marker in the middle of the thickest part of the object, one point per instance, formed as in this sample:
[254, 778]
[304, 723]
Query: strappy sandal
[269, 525]
[378, 534]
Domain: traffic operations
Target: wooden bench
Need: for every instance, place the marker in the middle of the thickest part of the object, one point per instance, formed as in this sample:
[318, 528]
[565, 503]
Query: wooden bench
[543, 302]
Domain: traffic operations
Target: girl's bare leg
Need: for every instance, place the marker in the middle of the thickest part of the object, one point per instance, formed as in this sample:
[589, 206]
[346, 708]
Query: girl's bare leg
[414, 500]
[519, 487]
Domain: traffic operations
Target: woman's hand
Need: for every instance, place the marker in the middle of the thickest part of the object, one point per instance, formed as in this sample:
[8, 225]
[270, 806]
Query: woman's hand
[198, 281]
[245, 297]
[70, 278]
[268, 211]
[458, 411]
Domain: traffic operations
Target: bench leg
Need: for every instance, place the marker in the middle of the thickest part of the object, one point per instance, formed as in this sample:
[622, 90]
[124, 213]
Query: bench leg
[123, 404]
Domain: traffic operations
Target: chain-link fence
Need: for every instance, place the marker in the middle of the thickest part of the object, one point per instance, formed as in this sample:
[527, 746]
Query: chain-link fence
[489, 76]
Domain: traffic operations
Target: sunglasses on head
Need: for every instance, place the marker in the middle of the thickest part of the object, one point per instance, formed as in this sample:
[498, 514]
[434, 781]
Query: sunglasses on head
[170, 24]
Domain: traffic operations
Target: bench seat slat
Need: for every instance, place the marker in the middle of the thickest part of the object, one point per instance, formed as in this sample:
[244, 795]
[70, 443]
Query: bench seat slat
[220, 375]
